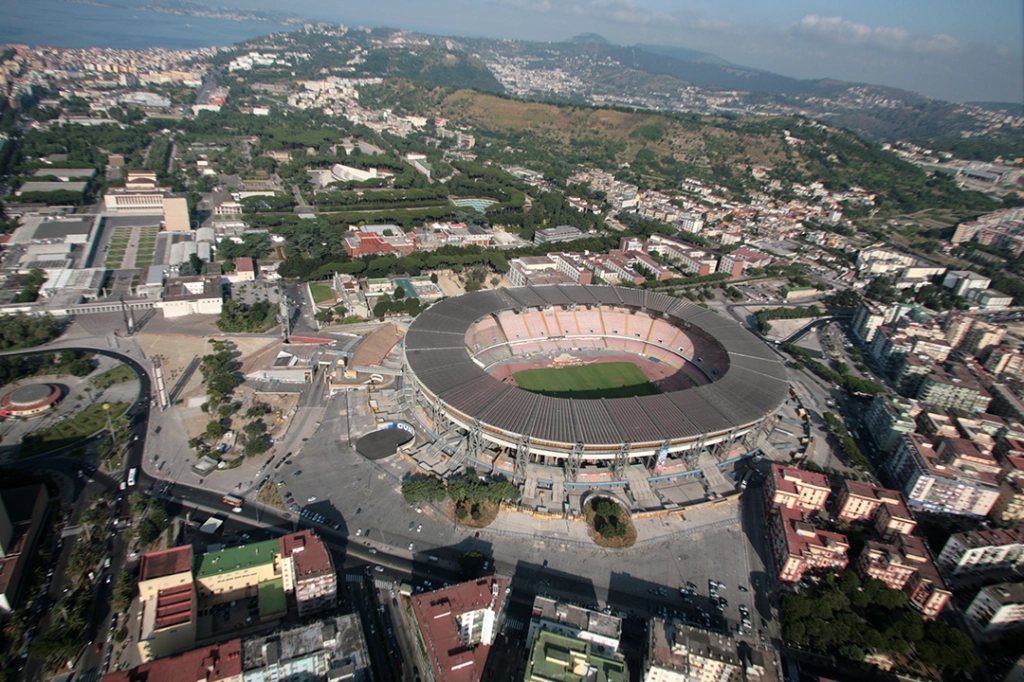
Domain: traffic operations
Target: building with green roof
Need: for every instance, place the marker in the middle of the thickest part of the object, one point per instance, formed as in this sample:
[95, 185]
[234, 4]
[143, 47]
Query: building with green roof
[235, 572]
[557, 658]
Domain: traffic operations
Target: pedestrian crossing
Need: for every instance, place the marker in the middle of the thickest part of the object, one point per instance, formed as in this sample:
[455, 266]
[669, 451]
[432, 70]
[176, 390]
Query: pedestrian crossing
[384, 584]
[513, 624]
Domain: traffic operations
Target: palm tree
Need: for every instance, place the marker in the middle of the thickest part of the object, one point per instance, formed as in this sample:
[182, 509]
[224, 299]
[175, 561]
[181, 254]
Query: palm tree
[15, 626]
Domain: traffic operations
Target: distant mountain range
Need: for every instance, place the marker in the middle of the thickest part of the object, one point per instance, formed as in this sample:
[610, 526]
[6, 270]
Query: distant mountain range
[708, 70]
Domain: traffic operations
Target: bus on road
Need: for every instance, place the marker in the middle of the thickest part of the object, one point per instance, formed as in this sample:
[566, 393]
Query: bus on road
[131, 476]
[232, 501]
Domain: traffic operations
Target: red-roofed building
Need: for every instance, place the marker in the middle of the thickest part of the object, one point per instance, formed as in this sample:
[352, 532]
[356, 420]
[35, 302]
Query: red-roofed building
[458, 624]
[906, 564]
[798, 547]
[217, 663]
[245, 269]
[165, 562]
[167, 595]
[887, 508]
[368, 243]
[308, 572]
[796, 489]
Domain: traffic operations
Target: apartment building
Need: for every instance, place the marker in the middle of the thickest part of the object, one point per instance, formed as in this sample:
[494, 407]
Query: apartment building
[677, 653]
[798, 547]
[332, 649]
[904, 563]
[982, 552]
[942, 486]
[982, 336]
[796, 489]
[867, 503]
[997, 609]
[954, 386]
[457, 626]
[1009, 508]
[868, 317]
[602, 631]
[888, 418]
[216, 663]
[307, 571]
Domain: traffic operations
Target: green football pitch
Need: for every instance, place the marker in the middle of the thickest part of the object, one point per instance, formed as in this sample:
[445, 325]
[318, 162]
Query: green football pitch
[600, 380]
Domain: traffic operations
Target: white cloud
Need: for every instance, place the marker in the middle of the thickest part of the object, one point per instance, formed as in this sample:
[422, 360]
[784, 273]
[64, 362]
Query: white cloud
[619, 12]
[894, 39]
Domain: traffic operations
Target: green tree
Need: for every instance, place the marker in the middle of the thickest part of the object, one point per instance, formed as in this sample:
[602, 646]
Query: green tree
[214, 431]
[472, 563]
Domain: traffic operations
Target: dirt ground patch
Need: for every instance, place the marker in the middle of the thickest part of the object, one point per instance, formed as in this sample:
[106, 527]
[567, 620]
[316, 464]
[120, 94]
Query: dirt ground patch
[280, 408]
[270, 496]
[488, 512]
[627, 540]
[177, 351]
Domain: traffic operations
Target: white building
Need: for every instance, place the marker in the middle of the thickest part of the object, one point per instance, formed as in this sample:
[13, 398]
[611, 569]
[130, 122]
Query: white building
[997, 609]
[979, 552]
[192, 296]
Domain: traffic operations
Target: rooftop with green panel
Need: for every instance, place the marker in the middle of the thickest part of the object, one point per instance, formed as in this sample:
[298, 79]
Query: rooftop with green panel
[237, 558]
[565, 659]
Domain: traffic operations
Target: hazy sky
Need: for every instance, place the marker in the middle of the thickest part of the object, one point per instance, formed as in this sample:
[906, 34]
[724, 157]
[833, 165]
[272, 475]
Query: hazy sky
[952, 49]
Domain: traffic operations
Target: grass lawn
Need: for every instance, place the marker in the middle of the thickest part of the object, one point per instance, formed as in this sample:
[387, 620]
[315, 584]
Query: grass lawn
[117, 375]
[321, 293]
[85, 423]
[601, 380]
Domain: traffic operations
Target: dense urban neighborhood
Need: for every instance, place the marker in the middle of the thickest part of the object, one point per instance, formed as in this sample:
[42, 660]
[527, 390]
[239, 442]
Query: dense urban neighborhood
[362, 354]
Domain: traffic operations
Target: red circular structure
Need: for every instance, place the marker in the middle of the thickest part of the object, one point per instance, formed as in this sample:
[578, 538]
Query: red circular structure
[29, 400]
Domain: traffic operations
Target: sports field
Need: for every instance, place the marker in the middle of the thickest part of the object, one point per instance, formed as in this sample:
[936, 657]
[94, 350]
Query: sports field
[603, 380]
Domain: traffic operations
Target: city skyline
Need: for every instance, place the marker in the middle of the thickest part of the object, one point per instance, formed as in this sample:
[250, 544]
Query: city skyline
[943, 49]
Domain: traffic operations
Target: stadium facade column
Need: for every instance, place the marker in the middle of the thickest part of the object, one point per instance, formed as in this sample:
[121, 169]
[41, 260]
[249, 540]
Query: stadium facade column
[522, 454]
[621, 462]
[475, 446]
[572, 463]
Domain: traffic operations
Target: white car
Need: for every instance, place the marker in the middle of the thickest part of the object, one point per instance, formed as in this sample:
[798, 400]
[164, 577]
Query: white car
[312, 498]
[410, 546]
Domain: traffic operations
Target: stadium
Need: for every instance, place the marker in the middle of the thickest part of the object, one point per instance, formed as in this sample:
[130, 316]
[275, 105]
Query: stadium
[707, 382]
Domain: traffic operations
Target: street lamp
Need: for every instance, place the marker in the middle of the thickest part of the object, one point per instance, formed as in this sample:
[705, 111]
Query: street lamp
[110, 425]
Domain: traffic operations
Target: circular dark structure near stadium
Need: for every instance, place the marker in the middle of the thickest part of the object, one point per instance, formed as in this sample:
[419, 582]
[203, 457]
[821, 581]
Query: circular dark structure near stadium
[382, 443]
[718, 381]
[30, 400]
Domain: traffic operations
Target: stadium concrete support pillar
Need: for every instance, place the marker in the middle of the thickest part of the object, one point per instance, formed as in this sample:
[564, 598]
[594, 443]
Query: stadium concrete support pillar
[439, 419]
[621, 462]
[522, 454]
[475, 446]
[572, 464]
[751, 436]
